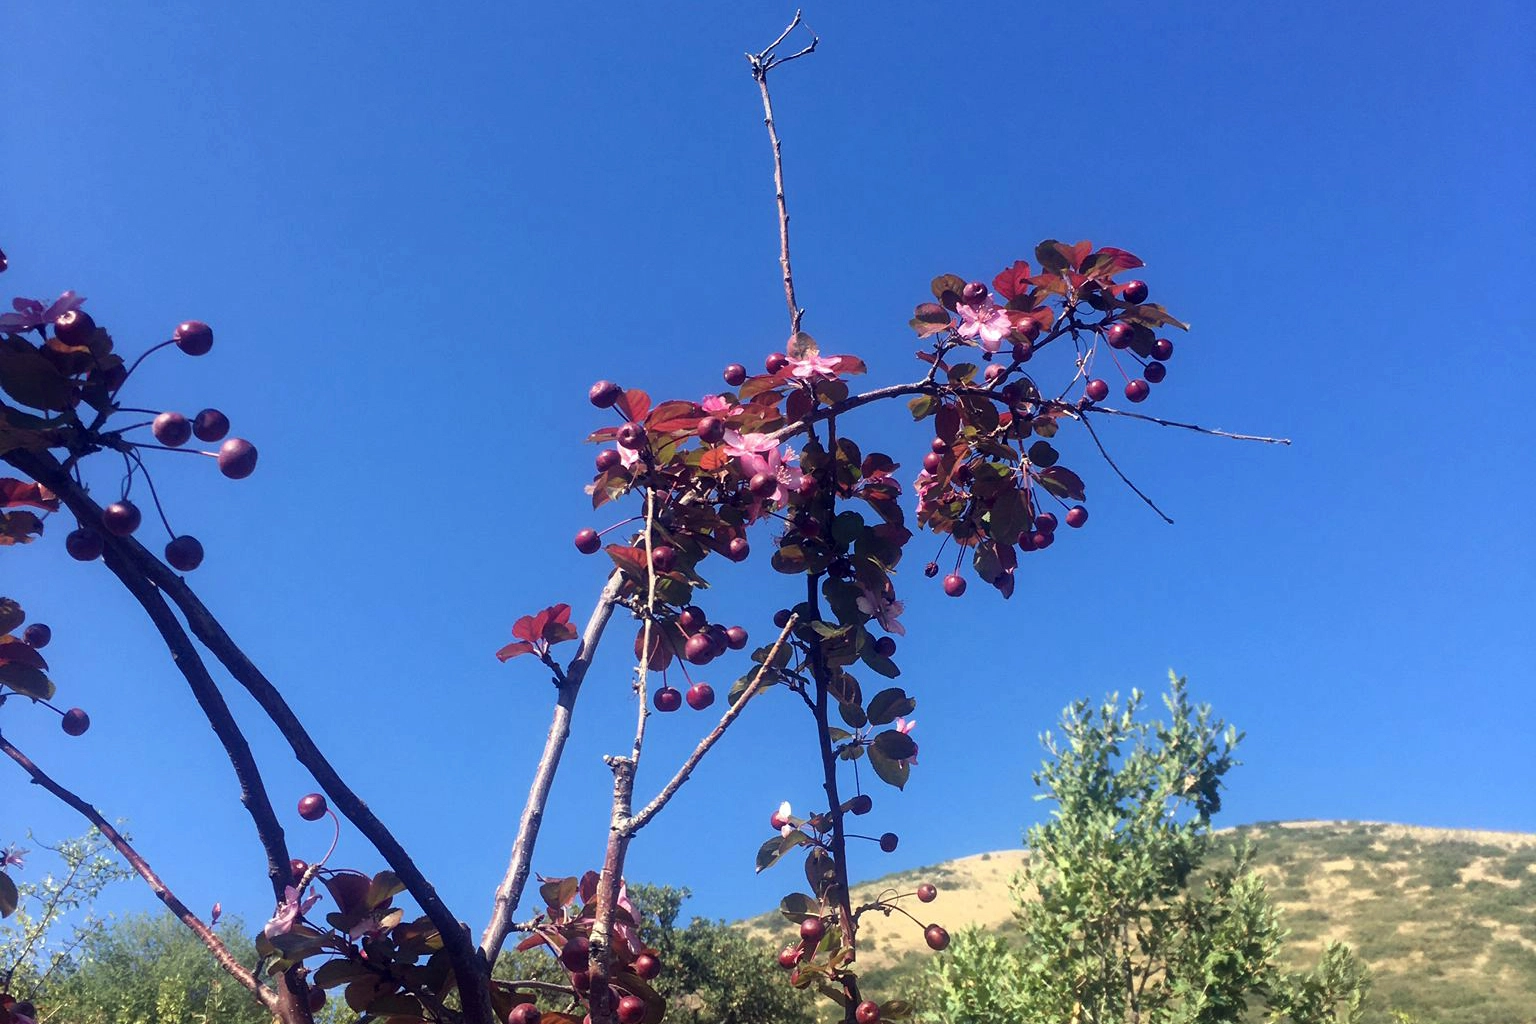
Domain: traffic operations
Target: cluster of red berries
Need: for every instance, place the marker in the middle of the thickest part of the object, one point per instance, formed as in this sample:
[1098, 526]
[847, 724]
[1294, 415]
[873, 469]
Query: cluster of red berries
[236, 457]
[34, 638]
[1119, 336]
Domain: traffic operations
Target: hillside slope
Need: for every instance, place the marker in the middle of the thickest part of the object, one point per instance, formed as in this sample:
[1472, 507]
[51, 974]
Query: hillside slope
[1445, 919]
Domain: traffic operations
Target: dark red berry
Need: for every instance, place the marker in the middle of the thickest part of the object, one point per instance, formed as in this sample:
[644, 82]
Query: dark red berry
[604, 394]
[933, 461]
[781, 617]
[775, 362]
[927, 892]
[632, 436]
[1042, 540]
[711, 429]
[631, 1010]
[296, 868]
[74, 327]
[647, 966]
[812, 929]
[1023, 350]
[1138, 390]
[888, 842]
[867, 1012]
[587, 540]
[75, 722]
[1134, 292]
[574, 955]
[954, 584]
[316, 998]
[581, 981]
[194, 337]
[668, 698]
[931, 570]
[736, 638]
[764, 485]
[789, 956]
[993, 372]
[172, 429]
[121, 518]
[37, 636]
[1162, 350]
[1097, 390]
[860, 804]
[184, 553]
[210, 425]
[1118, 335]
[1077, 515]
[692, 619]
[1155, 372]
[312, 807]
[524, 1013]
[664, 558]
[237, 458]
[84, 544]
[738, 549]
[700, 696]
[1045, 522]
[885, 646]
[607, 459]
[939, 445]
[1026, 541]
[735, 375]
[936, 937]
[699, 650]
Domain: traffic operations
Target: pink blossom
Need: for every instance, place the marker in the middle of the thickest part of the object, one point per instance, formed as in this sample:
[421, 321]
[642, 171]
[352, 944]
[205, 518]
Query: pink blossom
[989, 320]
[30, 313]
[781, 817]
[760, 453]
[626, 933]
[218, 912]
[289, 911]
[738, 445]
[13, 857]
[883, 611]
[716, 405]
[627, 456]
[815, 367]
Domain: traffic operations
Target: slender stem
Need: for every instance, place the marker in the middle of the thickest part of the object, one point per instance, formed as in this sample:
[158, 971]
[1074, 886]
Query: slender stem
[640, 820]
[1127, 480]
[227, 960]
[762, 63]
[1099, 409]
[510, 891]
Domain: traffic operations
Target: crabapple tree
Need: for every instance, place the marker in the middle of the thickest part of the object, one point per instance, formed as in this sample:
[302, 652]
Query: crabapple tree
[769, 475]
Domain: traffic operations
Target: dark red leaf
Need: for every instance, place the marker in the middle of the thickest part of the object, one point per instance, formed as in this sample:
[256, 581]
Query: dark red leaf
[1013, 281]
[512, 650]
[1062, 482]
[18, 528]
[929, 319]
[13, 651]
[634, 404]
[1110, 260]
[17, 493]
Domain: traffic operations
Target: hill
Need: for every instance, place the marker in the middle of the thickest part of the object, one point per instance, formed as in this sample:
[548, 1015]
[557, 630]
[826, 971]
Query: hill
[1445, 919]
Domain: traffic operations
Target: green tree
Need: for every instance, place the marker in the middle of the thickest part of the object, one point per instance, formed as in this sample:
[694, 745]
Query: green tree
[42, 939]
[1122, 919]
[711, 973]
[146, 969]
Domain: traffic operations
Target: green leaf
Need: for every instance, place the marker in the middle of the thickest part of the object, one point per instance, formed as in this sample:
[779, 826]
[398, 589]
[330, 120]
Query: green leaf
[337, 972]
[385, 884]
[897, 746]
[1010, 516]
[921, 406]
[769, 853]
[892, 773]
[797, 906]
[11, 615]
[853, 715]
[877, 661]
[26, 680]
[888, 705]
[27, 376]
[1062, 482]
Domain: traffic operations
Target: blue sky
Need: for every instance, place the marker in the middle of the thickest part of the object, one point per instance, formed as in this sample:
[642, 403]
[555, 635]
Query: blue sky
[420, 235]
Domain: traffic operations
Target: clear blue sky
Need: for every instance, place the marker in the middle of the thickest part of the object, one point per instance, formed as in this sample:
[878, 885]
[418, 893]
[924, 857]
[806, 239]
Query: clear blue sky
[420, 233]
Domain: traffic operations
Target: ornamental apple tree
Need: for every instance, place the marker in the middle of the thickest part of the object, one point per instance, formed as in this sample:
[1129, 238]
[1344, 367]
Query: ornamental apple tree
[769, 475]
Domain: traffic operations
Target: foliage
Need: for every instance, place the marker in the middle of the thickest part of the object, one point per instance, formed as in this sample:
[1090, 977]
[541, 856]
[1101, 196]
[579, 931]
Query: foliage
[39, 942]
[150, 970]
[1121, 918]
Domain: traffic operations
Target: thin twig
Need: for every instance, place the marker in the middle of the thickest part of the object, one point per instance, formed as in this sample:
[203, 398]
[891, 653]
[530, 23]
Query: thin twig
[639, 821]
[1186, 426]
[1152, 504]
[762, 63]
[227, 960]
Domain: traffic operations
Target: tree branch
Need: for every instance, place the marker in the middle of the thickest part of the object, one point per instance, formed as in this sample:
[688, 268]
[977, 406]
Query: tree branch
[227, 960]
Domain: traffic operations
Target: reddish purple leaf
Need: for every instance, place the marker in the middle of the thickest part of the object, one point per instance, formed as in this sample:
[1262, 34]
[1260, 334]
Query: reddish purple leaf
[634, 404]
[17, 493]
[512, 650]
[12, 650]
[1012, 282]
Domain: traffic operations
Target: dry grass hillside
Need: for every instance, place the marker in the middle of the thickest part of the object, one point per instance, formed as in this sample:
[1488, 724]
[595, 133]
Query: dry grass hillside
[1445, 919]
